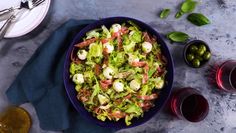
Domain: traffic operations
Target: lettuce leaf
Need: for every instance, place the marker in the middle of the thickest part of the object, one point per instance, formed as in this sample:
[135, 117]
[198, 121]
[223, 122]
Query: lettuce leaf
[129, 47]
[144, 89]
[101, 117]
[139, 54]
[105, 32]
[126, 40]
[96, 50]
[135, 26]
[129, 90]
[93, 33]
[96, 90]
[121, 95]
[89, 76]
[158, 82]
[134, 109]
[156, 48]
[153, 68]
[136, 37]
[74, 68]
[117, 59]
[78, 87]
[95, 53]
[128, 118]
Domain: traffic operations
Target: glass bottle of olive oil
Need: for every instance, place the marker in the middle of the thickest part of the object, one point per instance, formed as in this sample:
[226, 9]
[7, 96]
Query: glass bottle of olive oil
[15, 120]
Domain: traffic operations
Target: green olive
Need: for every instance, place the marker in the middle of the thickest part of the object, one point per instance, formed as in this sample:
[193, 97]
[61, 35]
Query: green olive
[207, 55]
[200, 52]
[196, 62]
[202, 47]
[199, 57]
[190, 57]
[193, 48]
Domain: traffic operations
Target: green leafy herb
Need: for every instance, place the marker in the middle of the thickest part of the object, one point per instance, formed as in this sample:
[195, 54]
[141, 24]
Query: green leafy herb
[179, 14]
[198, 19]
[178, 36]
[188, 6]
[164, 13]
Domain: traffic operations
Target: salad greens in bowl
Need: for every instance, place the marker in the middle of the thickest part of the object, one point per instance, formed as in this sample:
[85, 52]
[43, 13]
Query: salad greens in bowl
[118, 72]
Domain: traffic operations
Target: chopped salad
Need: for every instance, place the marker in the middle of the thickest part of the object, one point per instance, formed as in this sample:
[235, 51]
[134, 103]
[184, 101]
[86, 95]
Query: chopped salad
[118, 72]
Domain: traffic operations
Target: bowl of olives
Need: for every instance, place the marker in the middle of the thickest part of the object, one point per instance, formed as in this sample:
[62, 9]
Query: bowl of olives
[196, 53]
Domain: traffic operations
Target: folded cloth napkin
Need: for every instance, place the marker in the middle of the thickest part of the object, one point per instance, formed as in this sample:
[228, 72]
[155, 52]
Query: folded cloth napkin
[40, 82]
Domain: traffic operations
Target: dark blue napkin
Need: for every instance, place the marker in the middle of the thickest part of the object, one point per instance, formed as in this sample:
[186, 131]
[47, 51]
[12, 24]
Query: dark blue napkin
[40, 82]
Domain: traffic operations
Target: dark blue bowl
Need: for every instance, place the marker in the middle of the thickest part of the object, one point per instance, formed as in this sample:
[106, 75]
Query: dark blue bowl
[159, 103]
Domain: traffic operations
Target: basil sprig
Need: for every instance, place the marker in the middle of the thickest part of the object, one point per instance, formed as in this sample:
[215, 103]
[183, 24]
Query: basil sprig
[198, 19]
[187, 7]
[164, 13]
[177, 36]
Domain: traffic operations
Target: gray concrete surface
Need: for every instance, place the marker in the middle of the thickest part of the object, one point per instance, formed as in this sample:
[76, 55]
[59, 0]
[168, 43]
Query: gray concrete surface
[220, 35]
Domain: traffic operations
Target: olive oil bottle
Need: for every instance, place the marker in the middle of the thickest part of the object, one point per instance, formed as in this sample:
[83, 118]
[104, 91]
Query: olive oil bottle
[15, 120]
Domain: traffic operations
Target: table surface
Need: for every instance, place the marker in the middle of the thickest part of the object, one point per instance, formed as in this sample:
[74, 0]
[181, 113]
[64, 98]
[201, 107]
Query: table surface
[220, 35]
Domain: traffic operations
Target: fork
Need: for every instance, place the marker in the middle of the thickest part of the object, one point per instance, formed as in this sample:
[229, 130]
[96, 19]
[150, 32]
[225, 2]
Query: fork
[24, 4]
[28, 5]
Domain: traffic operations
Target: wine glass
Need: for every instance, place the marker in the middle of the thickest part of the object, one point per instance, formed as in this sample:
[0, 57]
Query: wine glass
[226, 76]
[189, 104]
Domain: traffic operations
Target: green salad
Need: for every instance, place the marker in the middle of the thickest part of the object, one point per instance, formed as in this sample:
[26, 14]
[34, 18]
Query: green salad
[118, 72]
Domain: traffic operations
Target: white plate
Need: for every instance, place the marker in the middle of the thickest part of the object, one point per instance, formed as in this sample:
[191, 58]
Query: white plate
[29, 19]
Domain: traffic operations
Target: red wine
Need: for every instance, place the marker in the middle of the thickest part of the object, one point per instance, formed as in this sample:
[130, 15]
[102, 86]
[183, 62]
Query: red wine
[194, 107]
[233, 78]
[226, 76]
[189, 104]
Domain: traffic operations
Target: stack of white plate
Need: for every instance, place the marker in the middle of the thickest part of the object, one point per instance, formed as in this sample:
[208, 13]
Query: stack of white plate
[28, 21]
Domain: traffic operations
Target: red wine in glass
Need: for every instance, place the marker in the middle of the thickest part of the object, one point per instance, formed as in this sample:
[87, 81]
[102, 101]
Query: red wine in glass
[189, 104]
[226, 76]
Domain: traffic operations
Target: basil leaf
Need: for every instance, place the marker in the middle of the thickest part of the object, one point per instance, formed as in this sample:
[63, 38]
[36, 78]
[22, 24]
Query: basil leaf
[177, 36]
[164, 13]
[188, 6]
[179, 14]
[198, 19]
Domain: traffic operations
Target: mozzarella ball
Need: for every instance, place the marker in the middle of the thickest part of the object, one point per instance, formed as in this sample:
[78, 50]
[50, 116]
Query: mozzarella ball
[78, 78]
[108, 72]
[115, 27]
[135, 85]
[118, 86]
[146, 47]
[109, 47]
[82, 54]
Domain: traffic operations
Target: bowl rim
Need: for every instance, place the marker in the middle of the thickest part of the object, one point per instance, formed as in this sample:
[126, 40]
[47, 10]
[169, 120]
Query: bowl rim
[187, 45]
[170, 67]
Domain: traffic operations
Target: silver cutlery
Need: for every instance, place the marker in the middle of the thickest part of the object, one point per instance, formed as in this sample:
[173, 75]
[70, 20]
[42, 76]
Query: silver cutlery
[5, 26]
[24, 4]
